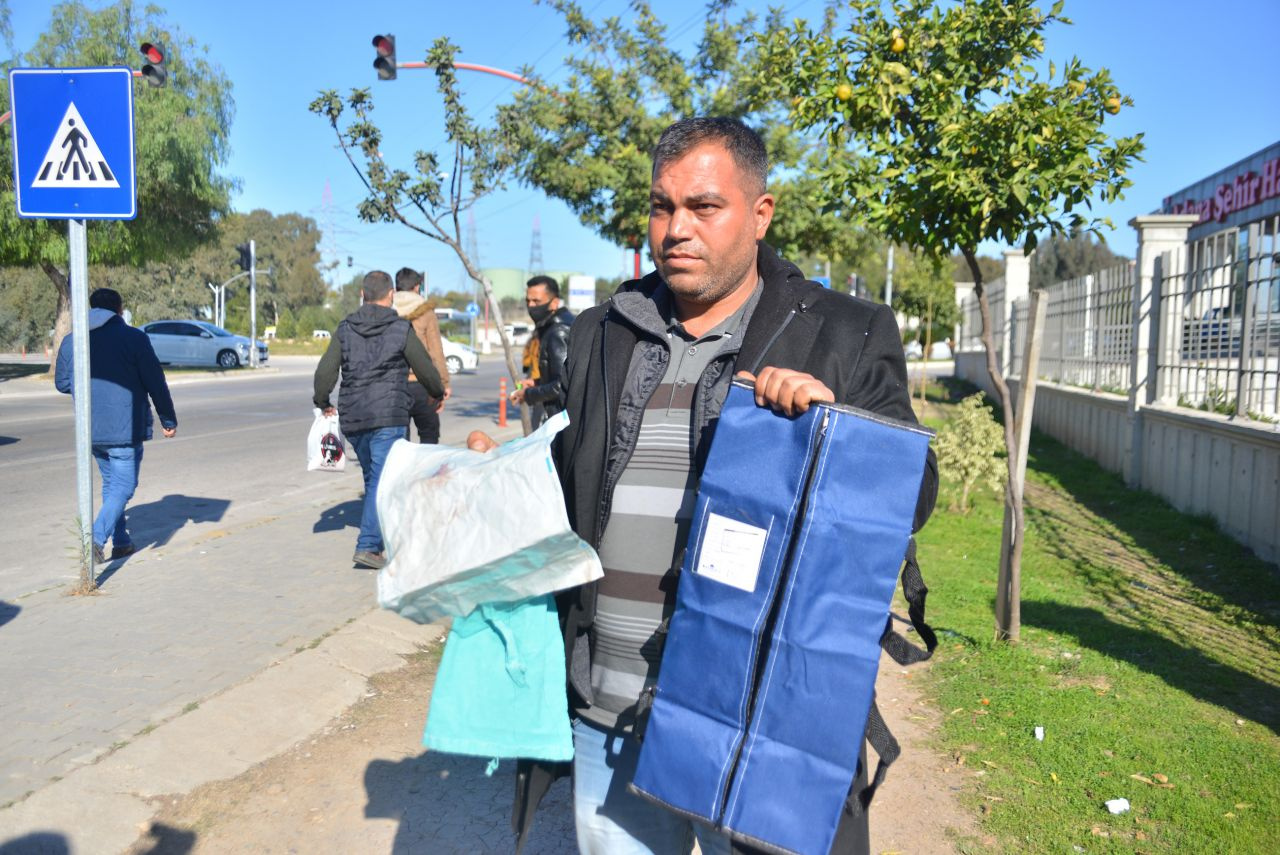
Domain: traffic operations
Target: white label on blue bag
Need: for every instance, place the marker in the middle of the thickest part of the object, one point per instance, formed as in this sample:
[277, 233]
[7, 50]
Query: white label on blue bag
[731, 552]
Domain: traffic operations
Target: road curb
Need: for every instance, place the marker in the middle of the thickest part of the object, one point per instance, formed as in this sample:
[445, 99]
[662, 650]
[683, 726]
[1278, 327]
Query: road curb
[106, 807]
[179, 380]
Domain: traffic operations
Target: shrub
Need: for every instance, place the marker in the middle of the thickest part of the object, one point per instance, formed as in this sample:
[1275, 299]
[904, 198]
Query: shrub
[970, 449]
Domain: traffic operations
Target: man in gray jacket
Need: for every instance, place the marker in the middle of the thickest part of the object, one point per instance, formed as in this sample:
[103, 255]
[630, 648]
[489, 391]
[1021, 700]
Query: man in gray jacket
[375, 349]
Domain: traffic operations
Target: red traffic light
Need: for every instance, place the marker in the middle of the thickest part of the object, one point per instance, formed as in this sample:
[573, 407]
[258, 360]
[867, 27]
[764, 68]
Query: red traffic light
[385, 63]
[153, 70]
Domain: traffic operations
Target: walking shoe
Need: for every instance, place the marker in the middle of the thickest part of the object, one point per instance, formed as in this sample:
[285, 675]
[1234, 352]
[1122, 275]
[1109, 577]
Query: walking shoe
[122, 550]
[372, 560]
[98, 556]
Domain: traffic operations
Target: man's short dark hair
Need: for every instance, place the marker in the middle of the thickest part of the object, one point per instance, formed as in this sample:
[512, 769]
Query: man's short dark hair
[408, 279]
[376, 286]
[106, 298]
[744, 144]
[552, 286]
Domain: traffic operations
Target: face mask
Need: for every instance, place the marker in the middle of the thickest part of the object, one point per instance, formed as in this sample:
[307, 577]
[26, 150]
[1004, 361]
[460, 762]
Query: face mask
[540, 313]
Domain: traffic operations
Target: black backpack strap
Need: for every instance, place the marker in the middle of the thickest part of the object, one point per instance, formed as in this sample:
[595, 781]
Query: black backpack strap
[914, 590]
[881, 739]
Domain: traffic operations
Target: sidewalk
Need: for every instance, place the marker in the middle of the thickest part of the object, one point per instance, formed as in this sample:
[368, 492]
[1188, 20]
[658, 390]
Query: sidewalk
[236, 687]
[248, 632]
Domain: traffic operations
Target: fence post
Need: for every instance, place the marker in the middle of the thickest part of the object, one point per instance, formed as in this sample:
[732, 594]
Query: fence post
[1157, 234]
[1017, 285]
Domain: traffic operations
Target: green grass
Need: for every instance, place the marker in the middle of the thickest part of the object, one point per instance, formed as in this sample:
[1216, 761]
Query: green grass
[298, 347]
[1149, 647]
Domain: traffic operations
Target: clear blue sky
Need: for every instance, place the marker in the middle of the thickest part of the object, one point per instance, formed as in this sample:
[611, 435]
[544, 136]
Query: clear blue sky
[1203, 76]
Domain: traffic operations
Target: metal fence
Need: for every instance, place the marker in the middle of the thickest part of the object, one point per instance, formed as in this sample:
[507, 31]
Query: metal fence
[1088, 331]
[970, 338]
[1215, 326]
[1219, 323]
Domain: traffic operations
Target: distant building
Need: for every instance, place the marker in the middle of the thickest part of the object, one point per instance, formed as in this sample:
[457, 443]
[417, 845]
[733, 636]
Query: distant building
[1245, 192]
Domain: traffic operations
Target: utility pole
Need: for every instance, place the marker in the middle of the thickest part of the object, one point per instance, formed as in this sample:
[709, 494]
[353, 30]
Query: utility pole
[888, 280]
[253, 305]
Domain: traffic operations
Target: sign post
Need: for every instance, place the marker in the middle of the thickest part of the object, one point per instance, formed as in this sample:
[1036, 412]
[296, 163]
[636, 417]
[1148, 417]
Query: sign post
[73, 159]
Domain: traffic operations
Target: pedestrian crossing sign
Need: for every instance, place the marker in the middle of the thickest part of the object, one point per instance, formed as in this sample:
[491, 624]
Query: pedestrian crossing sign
[73, 142]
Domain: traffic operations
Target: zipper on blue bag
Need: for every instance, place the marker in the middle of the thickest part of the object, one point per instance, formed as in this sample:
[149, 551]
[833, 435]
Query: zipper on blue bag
[771, 622]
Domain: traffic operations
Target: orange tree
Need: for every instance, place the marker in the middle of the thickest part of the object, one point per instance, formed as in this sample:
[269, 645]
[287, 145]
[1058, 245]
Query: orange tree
[944, 131]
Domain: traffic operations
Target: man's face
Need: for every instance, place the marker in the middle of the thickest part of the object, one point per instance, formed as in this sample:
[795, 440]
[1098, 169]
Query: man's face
[538, 295]
[704, 222]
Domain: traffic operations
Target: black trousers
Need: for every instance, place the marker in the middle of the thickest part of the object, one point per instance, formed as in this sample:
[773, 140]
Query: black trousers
[424, 415]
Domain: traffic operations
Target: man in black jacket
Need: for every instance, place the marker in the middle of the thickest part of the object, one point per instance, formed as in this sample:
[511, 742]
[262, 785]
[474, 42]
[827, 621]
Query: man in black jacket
[375, 350]
[551, 320]
[646, 376]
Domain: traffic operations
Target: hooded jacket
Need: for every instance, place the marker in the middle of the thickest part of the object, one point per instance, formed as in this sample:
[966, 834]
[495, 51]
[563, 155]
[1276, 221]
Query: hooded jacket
[421, 316]
[375, 349]
[851, 345]
[553, 349]
[124, 373]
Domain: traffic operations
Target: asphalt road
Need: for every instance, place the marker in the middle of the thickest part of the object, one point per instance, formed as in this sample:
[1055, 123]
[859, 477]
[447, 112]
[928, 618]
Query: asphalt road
[240, 446]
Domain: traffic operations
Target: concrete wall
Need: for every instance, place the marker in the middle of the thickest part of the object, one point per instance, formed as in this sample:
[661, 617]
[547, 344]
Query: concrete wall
[1203, 464]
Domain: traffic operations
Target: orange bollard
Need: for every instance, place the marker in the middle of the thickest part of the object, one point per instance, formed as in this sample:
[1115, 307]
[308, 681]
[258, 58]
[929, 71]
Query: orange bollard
[502, 402]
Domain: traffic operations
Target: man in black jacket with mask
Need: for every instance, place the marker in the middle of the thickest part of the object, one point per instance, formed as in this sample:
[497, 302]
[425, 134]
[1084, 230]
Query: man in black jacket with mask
[551, 321]
[375, 350]
[646, 376]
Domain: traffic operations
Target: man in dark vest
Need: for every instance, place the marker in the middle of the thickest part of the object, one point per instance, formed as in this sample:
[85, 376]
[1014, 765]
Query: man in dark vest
[375, 350]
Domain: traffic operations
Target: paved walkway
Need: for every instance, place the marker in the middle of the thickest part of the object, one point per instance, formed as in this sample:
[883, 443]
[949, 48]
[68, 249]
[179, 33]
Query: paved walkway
[88, 679]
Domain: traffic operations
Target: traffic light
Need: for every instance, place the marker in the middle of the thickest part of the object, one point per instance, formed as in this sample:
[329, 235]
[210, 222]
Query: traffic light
[386, 61]
[246, 258]
[153, 70]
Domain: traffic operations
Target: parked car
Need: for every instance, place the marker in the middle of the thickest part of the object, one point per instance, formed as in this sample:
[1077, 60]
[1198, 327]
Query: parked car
[459, 357]
[200, 343]
[320, 334]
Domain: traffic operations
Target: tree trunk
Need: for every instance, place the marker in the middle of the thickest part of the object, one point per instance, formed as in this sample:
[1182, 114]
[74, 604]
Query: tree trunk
[513, 365]
[62, 319]
[1007, 623]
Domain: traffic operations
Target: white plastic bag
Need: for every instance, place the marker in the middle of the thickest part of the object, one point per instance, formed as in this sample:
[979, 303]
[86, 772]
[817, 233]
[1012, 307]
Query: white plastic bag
[326, 450]
[462, 528]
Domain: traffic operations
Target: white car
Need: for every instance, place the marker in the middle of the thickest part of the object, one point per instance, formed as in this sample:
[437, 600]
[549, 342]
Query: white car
[200, 343]
[459, 357]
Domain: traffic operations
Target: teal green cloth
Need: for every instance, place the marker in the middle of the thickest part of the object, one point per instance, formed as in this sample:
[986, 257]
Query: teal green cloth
[500, 690]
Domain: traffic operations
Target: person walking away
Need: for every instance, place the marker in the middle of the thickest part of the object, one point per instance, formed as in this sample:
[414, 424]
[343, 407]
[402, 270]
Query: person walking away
[551, 321]
[421, 315]
[124, 373]
[373, 350]
[646, 376]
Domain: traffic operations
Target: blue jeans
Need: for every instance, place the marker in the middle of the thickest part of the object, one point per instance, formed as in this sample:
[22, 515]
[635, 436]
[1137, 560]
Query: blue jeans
[118, 465]
[612, 821]
[371, 448]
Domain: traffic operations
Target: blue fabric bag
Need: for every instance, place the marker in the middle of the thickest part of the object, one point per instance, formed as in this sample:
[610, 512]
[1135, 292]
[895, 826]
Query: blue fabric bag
[769, 667]
[500, 690]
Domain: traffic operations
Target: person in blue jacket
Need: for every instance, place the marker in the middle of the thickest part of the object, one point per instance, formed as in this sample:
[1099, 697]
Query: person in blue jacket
[124, 373]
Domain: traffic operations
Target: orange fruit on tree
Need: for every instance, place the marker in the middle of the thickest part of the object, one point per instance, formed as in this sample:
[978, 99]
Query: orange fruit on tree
[844, 91]
[1112, 105]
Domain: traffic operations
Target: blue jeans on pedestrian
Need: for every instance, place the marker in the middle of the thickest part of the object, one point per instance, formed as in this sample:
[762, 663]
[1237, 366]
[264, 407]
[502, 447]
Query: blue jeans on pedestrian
[371, 447]
[118, 465]
[612, 821]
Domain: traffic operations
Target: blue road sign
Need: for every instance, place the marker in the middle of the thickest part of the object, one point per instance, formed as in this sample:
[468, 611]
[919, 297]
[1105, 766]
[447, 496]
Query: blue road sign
[473, 309]
[73, 143]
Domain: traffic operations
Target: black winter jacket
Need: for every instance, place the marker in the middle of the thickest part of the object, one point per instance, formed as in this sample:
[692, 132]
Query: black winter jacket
[553, 349]
[851, 345]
